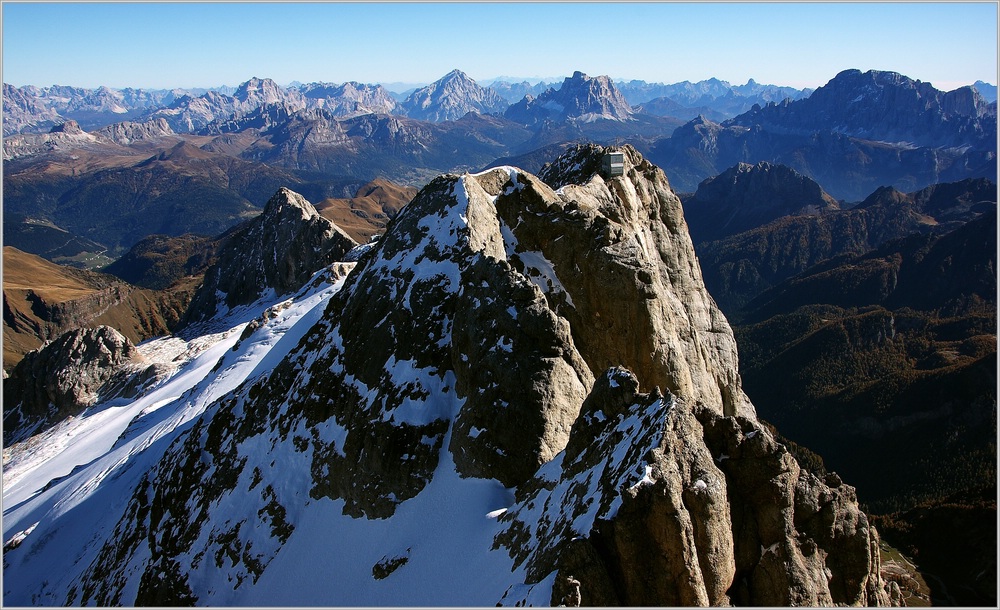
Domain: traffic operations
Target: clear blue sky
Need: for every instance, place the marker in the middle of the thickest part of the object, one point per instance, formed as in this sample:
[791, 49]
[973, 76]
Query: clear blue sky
[164, 45]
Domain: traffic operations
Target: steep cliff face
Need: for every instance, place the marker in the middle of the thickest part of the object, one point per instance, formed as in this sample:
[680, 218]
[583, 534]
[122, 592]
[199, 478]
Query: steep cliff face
[278, 251]
[655, 502]
[521, 395]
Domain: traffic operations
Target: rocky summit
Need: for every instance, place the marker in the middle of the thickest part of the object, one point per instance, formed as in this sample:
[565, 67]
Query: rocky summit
[277, 251]
[581, 97]
[521, 394]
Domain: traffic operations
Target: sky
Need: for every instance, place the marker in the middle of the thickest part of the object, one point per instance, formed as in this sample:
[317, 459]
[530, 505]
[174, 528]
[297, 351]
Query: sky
[197, 44]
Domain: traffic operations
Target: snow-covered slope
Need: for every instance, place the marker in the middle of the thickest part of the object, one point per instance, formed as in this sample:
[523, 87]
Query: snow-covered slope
[518, 395]
[71, 482]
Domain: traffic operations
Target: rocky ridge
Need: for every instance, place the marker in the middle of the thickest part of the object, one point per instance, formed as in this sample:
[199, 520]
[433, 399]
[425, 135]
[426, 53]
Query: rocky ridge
[471, 341]
[887, 107]
[349, 99]
[127, 132]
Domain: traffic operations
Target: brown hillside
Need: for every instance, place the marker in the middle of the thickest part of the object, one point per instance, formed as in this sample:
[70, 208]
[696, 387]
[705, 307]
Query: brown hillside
[367, 213]
[42, 300]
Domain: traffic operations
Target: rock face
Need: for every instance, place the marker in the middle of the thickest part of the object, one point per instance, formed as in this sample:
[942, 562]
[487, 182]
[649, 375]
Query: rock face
[279, 250]
[127, 132]
[746, 196]
[349, 99]
[62, 378]
[555, 343]
[451, 98]
[580, 97]
[691, 508]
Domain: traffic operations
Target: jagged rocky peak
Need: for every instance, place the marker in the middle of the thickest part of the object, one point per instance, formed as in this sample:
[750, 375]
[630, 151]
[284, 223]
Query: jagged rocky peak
[278, 251]
[595, 95]
[286, 203]
[62, 378]
[580, 97]
[547, 350]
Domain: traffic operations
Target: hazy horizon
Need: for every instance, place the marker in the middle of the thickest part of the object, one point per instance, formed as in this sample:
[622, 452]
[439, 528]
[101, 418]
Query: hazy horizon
[202, 45]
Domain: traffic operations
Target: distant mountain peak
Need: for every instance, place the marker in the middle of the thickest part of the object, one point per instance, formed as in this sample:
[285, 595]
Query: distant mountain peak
[580, 97]
[450, 98]
[749, 195]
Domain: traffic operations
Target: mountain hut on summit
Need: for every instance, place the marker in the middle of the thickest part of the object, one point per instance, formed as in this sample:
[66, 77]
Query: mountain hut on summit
[613, 164]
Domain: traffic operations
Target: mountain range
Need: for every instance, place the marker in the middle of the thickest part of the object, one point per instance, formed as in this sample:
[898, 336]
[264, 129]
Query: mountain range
[856, 133]
[529, 366]
[232, 150]
[30, 109]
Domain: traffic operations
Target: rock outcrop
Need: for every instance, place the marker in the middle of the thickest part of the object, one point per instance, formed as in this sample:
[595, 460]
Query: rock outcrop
[503, 335]
[278, 251]
[63, 378]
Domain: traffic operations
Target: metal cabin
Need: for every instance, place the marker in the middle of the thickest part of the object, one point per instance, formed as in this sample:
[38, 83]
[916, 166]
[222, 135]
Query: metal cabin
[613, 164]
